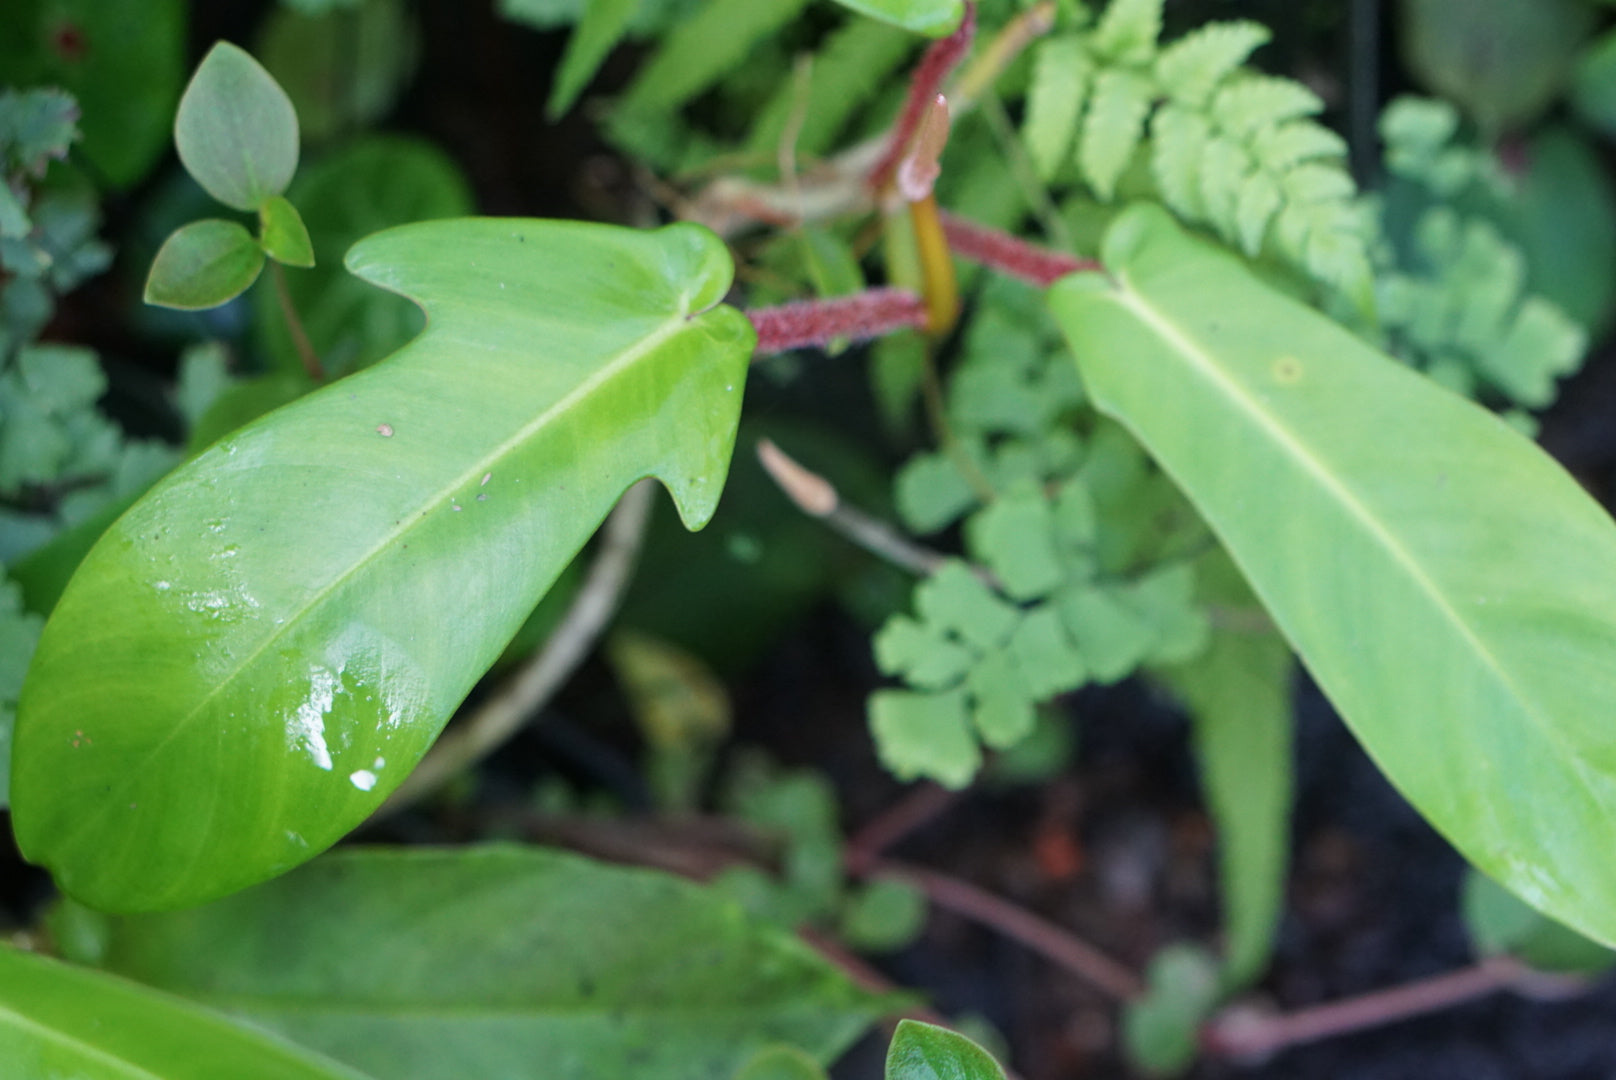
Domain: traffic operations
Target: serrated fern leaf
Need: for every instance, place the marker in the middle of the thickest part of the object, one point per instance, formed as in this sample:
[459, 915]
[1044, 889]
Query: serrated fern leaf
[1191, 68]
[1179, 139]
[1113, 127]
[1311, 182]
[1284, 146]
[1246, 105]
[1260, 200]
[1128, 31]
[1060, 82]
[1542, 345]
[1224, 169]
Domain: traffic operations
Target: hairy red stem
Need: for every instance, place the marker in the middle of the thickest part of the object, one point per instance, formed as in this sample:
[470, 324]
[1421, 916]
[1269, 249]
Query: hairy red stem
[1008, 254]
[865, 315]
[940, 59]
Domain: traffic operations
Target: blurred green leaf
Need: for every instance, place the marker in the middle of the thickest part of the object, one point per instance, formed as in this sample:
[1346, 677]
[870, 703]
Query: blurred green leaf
[57, 1020]
[922, 654]
[204, 264]
[781, 1063]
[1593, 84]
[1160, 1031]
[883, 915]
[368, 185]
[934, 18]
[236, 130]
[1239, 696]
[1565, 221]
[603, 24]
[19, 633]
[422, 964]
[1014, 536]
[245, 402]
[121, 61]
[1501, 923]
[36, 127]
[1002, 709]
[931, 493]
[283, 235]
[702, 49]
[927, 1052]
[956, 600]
[343, 68]
[1503, 61]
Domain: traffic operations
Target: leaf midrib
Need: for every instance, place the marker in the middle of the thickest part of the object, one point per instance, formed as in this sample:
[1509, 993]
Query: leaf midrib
[676, 323]
[1400, 555]
[61, 1037]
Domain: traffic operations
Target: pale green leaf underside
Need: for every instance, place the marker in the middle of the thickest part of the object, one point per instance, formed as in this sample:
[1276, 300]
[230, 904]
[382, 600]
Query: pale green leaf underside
[260, 650]
[500, 961]
[62, 1021]
[1451, 588]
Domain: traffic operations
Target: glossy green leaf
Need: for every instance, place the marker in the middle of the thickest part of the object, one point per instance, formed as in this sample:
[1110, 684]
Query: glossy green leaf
[256, 654]
[1448, 585]
[283, 235]
[934, 18]
[602, 26]
[57, 1020]
[927, 1052]
[1239, 696]
[204, 264]
[236, 130]
[500, 961]
[369, 184]
[1161, 1028]
[123, 62]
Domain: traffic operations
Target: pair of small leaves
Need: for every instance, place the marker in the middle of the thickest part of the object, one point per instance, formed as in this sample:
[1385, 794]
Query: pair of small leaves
[237, 136]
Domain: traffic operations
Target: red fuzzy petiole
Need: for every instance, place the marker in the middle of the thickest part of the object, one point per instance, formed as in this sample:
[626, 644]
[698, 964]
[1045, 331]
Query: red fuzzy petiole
[870, 314]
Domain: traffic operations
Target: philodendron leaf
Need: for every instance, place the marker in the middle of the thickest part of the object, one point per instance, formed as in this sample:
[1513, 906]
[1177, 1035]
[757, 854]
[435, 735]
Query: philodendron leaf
[260, 650]
[1499, 923]
[934, 18]
[1449, 586]
[926, 1052]
[236, 130]
[204, 264]
[499, 961]
[60, 1020]
[285, 238]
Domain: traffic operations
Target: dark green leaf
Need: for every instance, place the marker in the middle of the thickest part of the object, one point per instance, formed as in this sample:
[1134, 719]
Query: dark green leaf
[204, 264]
[1593, 84]
[500, 961]
[366, 186]
[1565, 220]
[283, 235]
[236, 130]
[301, 577]
[927, 1052]
[1448, 585]
[61, 1021]
[602, 25]
[884, 915]
[122, 61]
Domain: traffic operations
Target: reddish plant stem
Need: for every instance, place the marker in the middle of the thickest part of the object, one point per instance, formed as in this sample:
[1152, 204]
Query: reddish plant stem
[1058, 946]
[1008, 254]
[1243, 1036]
[897, 821]
[868, 314]
[940, 59]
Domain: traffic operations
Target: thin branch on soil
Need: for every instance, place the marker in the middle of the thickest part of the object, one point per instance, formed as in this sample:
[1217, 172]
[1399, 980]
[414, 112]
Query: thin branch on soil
[803, 323]
[294, 325]
[1243, 1035]
[917, 808]
[1053, 943]
[532, 686]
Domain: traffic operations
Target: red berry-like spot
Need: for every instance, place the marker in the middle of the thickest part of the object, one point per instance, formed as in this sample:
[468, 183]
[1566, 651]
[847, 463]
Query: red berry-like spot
[68, 41]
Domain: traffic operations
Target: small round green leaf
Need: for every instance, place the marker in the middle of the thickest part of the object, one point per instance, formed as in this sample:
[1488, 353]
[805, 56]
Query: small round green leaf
[236, 130]
[204, 264]
[285, 238]
[927, 1052]
[1160, 1030]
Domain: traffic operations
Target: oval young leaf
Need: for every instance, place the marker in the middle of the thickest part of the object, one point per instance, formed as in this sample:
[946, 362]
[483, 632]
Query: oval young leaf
[934, 18]
[285, 238]
[236, 130]
[254, 655]
[1448, 585]
[204, 264]
[386, 960]
[59, 1020]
